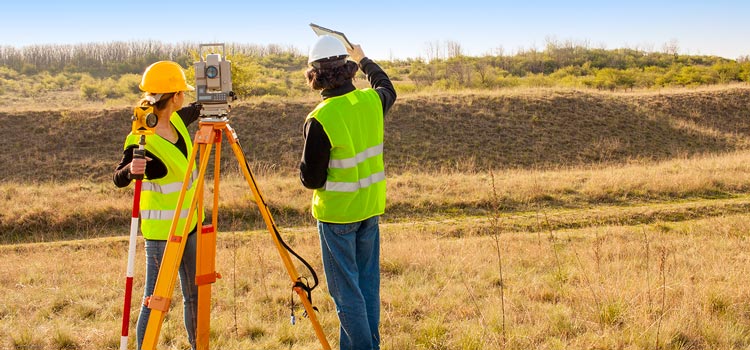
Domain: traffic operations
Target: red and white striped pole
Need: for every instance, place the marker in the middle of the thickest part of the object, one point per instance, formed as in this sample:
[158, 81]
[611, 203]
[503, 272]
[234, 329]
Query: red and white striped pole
[140, 153]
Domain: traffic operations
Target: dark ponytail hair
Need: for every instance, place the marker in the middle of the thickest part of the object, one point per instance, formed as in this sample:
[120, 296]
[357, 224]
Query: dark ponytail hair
[330, 78]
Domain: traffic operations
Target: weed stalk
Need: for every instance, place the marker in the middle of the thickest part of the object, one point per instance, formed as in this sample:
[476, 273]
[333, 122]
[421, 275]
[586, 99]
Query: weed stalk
[495, 222]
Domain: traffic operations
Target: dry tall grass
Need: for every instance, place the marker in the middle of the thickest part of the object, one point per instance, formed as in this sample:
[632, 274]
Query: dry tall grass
[644, 191]
[638, 256]
[592, 288]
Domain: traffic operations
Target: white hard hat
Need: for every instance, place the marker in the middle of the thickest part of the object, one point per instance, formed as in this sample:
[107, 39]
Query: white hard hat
[326, 47]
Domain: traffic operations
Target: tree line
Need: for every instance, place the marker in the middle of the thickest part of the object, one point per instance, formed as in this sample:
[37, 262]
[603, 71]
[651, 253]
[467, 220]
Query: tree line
[572, 65]
[112, 70]
[115, 58]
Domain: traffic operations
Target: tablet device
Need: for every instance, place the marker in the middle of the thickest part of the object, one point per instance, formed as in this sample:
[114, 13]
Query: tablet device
[325, 31]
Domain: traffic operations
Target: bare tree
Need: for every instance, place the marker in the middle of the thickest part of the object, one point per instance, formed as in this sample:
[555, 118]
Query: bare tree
[482, 68]
[433, 50]
[499, 51]
[454, 49]
[672, 47]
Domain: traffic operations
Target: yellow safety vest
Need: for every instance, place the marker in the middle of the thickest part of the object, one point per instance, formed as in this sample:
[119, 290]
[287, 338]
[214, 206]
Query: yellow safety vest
[355, 184]
[159, 196]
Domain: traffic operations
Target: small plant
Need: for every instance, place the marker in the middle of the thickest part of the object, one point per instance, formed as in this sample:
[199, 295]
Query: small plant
[26, 341]
[433, 336]
[471, 341]
[612, 314]
[87, 309]
[717, 304]
[64, 341]
[663, 272]
[390, 267]
[288, 339]
[59, 305]
[253, 332]
[682, 340]
[495, 223]
[647, 264]
[561, 324]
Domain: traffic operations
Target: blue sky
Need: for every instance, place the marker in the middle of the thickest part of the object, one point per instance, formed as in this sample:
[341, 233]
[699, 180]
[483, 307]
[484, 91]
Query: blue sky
[390, 29]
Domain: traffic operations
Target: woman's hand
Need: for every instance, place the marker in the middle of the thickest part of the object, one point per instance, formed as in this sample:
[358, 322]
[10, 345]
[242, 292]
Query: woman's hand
[138, 166]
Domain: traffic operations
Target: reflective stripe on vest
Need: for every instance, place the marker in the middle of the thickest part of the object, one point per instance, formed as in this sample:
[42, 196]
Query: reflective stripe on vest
[359, 158]
[162, 214]
[355, 186]
[168, 188]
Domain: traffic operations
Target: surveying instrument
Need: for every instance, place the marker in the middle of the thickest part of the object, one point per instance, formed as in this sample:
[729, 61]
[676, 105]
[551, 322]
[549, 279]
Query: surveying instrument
[214, 91]
[144, 122]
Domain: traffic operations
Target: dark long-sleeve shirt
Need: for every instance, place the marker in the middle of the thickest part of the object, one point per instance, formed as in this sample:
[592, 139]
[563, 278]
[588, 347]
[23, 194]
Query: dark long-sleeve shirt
[317, 149]
[155, 168]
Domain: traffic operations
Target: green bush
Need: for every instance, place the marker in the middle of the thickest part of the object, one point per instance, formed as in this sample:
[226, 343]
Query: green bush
[744, 74]
[507, 82]
[89, 92]
[728, 71]
[696, 75]
[128, 84]
[8, 73]
[539, 80]
[405, 88]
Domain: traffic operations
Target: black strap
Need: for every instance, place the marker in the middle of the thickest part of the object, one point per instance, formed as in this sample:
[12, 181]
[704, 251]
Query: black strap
[301, 282]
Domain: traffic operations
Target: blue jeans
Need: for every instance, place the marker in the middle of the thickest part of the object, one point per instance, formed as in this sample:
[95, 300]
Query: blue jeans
[351, 260]
[154, 254]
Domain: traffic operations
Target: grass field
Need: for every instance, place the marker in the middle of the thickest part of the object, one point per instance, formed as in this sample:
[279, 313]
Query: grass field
[639, 256]
[641, 243]
[675, 286]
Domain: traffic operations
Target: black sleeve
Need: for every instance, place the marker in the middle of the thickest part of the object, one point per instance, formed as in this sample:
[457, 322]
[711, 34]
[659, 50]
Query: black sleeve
[380, 82]
[155, 168]
[121, 177]
[313, 169]
[190, 113]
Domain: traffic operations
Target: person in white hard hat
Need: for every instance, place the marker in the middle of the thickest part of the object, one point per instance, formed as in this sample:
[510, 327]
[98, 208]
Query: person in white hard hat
[342, 161]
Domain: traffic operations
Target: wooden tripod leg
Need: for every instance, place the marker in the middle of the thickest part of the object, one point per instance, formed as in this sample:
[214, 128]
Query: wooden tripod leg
[285, 258]
[165, 282]
[205, 265]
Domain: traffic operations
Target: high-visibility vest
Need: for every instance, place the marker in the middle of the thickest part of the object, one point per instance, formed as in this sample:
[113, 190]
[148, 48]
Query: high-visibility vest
[159, 196]
[355, 184]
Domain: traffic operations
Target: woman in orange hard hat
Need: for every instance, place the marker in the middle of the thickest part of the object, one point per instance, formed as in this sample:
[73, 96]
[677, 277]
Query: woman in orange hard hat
[167, 152]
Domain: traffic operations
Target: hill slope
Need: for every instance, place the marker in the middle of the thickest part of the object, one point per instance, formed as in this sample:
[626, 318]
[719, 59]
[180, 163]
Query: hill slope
[528, 128]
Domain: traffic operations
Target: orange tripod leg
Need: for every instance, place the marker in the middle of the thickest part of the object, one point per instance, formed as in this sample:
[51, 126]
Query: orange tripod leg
[165, 282]
[205, 268]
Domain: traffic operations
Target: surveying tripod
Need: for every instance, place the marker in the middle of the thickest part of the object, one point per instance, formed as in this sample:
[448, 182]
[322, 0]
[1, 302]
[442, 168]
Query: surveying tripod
[210, 132]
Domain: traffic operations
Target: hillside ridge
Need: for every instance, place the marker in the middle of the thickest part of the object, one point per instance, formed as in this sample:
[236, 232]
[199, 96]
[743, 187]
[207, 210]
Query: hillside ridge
[463, 131]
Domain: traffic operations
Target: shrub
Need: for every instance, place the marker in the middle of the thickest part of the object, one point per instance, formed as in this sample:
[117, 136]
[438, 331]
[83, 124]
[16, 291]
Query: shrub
[128, 84]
